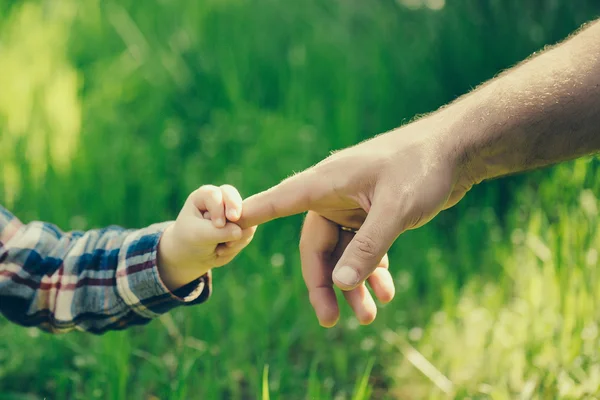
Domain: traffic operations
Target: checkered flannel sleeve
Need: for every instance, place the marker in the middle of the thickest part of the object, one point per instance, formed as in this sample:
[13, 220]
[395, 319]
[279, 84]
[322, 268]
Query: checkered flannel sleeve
[94, 281]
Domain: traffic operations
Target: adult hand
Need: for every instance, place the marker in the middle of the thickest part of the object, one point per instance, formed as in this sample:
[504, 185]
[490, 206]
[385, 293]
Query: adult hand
[382, 187]
[544, 111]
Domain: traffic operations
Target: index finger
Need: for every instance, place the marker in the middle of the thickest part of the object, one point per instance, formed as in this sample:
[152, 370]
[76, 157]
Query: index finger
[292, 196]
[209, 198]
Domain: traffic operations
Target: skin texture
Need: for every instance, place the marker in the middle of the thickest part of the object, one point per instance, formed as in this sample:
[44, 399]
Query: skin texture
[541, 112]
[203, 237]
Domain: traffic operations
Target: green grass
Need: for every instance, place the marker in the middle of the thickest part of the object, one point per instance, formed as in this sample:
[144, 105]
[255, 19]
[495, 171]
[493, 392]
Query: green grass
[112, 112]
[532, 332]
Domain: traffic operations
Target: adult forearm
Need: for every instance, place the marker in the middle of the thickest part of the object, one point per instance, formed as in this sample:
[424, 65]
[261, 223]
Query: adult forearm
[544, 111]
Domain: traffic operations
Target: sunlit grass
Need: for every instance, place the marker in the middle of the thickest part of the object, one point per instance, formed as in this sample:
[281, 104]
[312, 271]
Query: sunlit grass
[534, 332]
[39, 105]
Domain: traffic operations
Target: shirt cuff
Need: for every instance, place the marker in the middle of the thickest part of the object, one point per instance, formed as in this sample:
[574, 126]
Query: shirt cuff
[138, 281]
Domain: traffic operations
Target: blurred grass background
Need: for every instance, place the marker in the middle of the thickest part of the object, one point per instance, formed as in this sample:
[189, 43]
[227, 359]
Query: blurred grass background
[111, 112]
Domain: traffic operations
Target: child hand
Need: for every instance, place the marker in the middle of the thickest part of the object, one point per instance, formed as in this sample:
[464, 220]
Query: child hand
[203, 237]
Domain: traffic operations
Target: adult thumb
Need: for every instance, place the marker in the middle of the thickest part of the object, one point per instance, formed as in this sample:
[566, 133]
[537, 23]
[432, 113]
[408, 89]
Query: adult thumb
[384, 223]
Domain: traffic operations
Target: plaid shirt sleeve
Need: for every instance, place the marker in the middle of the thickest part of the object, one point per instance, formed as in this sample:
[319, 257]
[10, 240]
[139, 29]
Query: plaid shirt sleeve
[94, 281]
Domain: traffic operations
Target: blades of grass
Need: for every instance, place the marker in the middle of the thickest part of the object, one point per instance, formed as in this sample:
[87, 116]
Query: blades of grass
[362, 390]
[420, 362]
[19, 396]
[265, 383]
[314, 389]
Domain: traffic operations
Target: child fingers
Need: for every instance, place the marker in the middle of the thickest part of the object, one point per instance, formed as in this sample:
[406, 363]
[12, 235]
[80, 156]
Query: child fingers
[210, 198]
[233, 202]
[229, 233]
[226, 251]
[234, 247]
[248, 232]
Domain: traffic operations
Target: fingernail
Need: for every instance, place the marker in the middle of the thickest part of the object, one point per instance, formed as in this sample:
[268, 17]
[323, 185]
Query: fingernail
[346, 275]
[233, 214]
[219, 222]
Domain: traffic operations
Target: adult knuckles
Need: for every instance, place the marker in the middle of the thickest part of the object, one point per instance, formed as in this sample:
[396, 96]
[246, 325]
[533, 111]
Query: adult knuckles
[365, 247]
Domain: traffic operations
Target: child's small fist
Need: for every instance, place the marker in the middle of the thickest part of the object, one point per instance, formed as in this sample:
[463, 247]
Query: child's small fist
[204, 235]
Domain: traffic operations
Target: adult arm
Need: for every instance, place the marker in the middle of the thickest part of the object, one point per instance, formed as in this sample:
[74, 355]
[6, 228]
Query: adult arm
[543, 111]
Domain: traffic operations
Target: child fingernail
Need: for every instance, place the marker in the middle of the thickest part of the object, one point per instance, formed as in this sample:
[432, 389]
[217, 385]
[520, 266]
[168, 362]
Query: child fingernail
[219, 222]
[232, 213]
